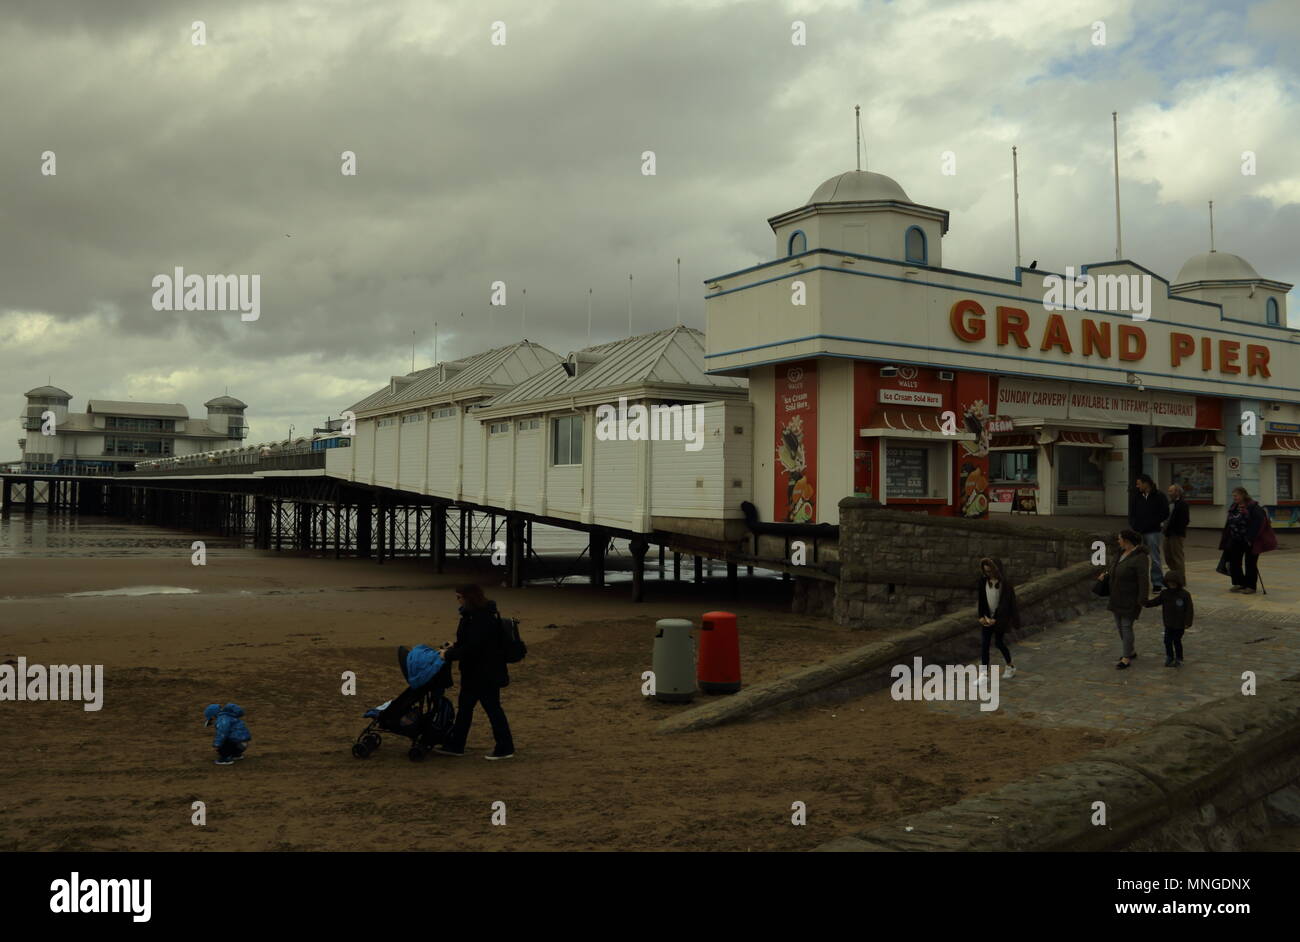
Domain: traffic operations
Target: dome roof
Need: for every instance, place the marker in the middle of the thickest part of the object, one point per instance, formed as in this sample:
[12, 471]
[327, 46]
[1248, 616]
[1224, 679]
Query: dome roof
[228, 402]
[858, 186]
[1216, 266]
[48, 392]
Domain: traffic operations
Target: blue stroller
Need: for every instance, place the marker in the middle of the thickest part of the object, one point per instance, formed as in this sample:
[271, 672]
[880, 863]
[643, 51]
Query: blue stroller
[422, 713]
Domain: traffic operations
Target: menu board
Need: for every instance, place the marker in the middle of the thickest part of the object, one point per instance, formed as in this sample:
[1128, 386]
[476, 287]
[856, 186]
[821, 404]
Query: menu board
[907, 472]
[1195, 477]
[1284, 491]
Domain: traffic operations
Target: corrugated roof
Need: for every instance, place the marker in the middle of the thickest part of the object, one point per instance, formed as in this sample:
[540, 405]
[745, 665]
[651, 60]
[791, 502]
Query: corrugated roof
[172, 410]
[672, 357]
[498, 368]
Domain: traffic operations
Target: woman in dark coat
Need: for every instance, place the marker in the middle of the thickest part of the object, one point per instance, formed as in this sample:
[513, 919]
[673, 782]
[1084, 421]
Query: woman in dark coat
[1240, 535]
[480, 650]
[1129, 584]
[998, 612]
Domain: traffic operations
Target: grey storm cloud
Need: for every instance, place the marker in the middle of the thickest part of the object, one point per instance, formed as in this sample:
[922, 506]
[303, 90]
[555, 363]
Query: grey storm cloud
[522, 163]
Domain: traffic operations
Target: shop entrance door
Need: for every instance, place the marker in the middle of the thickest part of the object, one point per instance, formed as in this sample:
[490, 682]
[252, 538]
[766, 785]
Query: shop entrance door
[1116, 477]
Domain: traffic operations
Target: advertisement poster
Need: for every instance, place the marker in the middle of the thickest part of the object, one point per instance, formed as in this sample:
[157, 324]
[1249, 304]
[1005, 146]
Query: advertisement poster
[796, 443]
[863, 461]
[973, 457]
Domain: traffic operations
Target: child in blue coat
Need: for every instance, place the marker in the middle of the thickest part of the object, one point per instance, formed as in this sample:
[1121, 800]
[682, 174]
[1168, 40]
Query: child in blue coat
[232, 735]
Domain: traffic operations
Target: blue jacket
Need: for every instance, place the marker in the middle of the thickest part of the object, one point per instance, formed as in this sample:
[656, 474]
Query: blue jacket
[230, 725]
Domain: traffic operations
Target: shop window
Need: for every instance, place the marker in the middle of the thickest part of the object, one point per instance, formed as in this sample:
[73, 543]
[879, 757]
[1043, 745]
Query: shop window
[915, 471]
[915, 245]
[1078, 467]
[1013, 466]
[1195, 476]
[1286, 480]
[566, 440]
[1274, 316]
[798, 243]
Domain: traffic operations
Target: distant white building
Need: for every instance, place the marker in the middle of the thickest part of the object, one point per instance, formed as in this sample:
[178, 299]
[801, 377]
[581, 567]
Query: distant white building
[113, 436]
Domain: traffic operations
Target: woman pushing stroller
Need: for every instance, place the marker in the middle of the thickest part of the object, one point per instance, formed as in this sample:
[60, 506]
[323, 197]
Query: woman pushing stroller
[480, 650]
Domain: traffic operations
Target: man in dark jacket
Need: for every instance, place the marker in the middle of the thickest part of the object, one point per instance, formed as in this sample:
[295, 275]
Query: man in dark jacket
[1176, 530]
[480, 650]
[998, 612]
[1147, 510]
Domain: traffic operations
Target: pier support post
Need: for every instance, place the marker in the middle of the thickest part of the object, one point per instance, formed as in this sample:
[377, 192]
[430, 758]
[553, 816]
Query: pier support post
[382, 518]
[662, 573]
[363, 529]
[515, 550]
[597, 542]
[677, 567]
[699, 570]
[439, 527]
[7, 497]
[638, 548]
[733, 585]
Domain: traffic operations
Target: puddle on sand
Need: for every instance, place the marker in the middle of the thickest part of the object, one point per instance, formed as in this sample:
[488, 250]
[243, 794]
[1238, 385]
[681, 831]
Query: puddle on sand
[136, 590]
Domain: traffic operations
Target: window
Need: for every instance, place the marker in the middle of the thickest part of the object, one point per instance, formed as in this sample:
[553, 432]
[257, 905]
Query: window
[413, 417]
[1285, 479]
[798, 243]
[1014, 466]
[1194, 476]
[915, 248]
[529, 424]
[915, 471]
[566, 440]
[443, 413]
[496, 428]
[1274, 317]
[384, 423]
[1078, 467]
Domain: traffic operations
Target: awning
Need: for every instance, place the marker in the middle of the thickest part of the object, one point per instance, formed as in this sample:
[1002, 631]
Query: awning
[1192, 439]
[911, 423]
[1287, 445]
[1082, 439]
[1014, 440]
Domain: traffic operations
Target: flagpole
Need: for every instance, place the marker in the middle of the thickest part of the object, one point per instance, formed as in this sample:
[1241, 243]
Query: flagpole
[1015, 190]
[1119, 241]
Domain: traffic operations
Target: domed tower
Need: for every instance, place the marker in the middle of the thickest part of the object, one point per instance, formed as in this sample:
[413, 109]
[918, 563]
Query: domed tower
[226, 414]
[863, 213]
[43, 399]
[1230, 280]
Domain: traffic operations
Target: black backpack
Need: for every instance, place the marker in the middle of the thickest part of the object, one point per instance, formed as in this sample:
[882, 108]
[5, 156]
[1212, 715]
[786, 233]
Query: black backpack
[511, 644]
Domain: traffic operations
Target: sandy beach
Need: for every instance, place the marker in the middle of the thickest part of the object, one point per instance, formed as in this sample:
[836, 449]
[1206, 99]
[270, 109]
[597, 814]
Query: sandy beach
[275, 634]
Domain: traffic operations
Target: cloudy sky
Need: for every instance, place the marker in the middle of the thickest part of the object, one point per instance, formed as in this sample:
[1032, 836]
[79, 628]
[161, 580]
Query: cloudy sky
[522, 163]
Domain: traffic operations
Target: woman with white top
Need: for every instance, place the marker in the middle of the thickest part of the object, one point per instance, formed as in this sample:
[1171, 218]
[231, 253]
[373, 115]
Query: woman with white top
[998, 613]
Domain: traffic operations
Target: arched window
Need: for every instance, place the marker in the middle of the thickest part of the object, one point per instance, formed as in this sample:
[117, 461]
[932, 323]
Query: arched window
[915, 246]
[798, 243]
[1274, 317]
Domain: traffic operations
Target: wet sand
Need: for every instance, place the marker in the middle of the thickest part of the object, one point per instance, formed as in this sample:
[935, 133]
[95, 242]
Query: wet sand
[275, 634]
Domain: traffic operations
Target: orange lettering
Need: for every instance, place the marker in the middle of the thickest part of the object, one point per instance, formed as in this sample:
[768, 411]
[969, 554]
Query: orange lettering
[1257, 360]
[1181, 346]
[1228, 356]
[1056, 335]
[1132, 351]
[968, 330]
[1013, 322]
[1095, 337]
[1205, 353]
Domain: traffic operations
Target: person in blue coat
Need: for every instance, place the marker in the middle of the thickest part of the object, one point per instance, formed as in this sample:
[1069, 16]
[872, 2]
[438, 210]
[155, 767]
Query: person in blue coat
[232, 736]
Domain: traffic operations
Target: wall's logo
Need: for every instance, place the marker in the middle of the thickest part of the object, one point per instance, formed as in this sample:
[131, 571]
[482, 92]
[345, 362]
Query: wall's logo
[794, 374]
[907, 372]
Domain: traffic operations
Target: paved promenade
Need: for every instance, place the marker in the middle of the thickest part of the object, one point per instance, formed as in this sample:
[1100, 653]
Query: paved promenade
[1066, 676]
